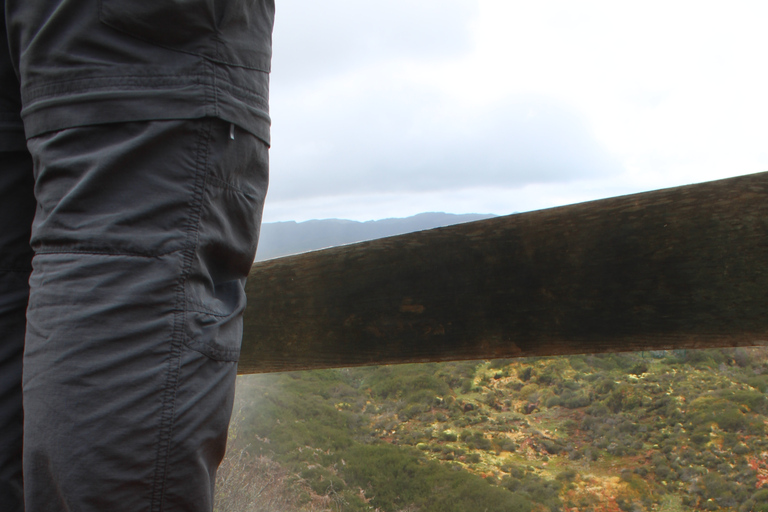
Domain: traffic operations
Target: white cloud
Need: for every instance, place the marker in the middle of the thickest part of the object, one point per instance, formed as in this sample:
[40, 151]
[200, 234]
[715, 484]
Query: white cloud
[416, 141]
[383, 107]
[316, 40]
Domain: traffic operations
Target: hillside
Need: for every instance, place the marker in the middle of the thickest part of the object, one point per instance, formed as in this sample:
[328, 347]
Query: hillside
[283, 238]
[663, 431]
[676, 431]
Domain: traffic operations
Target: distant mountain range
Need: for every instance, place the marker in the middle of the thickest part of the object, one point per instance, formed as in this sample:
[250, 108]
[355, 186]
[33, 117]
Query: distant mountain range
[284, 238]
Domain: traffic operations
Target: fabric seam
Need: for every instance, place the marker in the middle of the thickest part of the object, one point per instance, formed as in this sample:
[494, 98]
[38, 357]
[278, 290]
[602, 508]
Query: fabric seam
[165, 434]
[219, 183]
[59, 87]
[201, 308]
[107, 253]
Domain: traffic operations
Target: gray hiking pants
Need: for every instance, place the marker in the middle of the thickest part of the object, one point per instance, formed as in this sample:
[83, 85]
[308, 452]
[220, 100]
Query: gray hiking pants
[134, 155]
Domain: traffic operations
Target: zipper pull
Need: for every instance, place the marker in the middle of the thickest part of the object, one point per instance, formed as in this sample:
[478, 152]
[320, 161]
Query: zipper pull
[232, 131]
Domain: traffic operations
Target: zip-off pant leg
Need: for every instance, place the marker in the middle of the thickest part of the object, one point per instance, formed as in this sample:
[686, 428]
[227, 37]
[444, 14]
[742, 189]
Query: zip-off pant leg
[146, 225]
[143, 237]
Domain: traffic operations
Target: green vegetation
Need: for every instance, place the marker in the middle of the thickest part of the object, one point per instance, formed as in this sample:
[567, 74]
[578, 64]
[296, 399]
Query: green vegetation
[671, 431]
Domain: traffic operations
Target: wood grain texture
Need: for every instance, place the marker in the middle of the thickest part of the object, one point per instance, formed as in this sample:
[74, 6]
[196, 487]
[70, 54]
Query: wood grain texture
[674, 268]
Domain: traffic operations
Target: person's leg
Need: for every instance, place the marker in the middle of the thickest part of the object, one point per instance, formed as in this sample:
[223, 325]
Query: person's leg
[17, 207]
[143, 237]
[16, 210]
[145, 229]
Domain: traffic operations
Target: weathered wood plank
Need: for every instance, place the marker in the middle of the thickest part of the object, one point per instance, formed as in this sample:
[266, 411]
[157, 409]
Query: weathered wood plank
[676, 268]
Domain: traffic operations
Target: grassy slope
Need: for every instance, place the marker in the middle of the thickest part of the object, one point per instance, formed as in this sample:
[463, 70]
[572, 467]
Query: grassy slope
[629, 432]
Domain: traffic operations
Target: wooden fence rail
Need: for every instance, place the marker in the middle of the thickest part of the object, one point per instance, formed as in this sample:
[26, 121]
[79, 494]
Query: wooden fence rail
[676, 268]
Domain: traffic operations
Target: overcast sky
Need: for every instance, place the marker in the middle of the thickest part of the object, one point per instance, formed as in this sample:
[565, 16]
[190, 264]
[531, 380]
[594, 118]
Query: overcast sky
[388, 108]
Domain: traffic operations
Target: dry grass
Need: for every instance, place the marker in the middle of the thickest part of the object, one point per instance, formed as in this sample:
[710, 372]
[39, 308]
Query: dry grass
[248, 483]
